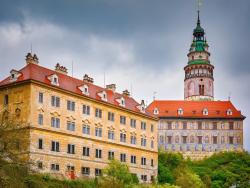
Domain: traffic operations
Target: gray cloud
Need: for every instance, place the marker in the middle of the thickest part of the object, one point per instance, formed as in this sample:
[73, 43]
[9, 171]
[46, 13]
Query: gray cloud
[138, 44]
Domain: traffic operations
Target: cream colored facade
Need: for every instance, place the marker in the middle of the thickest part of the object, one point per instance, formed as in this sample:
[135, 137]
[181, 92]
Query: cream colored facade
[198, 138]
[25, 97]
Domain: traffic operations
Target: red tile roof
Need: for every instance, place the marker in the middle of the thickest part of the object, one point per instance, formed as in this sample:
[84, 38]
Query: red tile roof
[38, 73]
[194, 109]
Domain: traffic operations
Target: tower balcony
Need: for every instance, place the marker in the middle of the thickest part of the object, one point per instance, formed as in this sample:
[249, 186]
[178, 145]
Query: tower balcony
[195, 75]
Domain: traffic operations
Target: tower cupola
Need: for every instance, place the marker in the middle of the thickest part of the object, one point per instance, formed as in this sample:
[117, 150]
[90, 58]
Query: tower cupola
[199, 71]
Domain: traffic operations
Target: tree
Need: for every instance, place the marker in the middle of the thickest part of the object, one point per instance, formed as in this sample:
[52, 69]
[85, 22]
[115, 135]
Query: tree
[117, 175]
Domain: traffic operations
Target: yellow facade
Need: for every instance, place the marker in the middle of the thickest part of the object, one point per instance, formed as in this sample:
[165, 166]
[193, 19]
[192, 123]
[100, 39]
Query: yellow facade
[25, 96]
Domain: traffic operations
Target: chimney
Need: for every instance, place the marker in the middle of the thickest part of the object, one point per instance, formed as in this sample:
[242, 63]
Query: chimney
[111, 87]
[126, 93]
[88, 79]
[61, 69]
[29, 59]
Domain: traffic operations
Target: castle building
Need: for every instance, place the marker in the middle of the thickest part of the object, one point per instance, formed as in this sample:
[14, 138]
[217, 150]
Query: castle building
[74, 127]
[198, 126]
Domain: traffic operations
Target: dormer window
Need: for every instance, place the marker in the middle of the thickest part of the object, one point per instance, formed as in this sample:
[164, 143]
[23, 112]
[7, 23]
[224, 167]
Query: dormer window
[54, 79]
[84, 89]
[141, 107]
[103, 95]
[205, 112]
[14, 75]
[156, 111]
[122, 102]
[229, 112]
[180, 111]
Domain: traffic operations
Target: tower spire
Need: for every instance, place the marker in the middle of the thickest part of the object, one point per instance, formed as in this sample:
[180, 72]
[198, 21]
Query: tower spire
[198, 19]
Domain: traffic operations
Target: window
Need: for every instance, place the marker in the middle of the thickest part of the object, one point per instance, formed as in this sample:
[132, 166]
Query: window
[123, 120]
[55, 101]
[206, 139]
[98, 153]
[133, 159]
[133, 140]
[98, 113]
[192, 139]
[85, 109]
[55, 122]
[161, 139]
[201, 89]
[184, 125]
[122, 137]
[40, 97]
[143, 161]
[180, 111]
[143, 142]
[40, 119]
[229, 112]
[71, 148]
[85, 151]
[133, 123]
[6, 100]
[55, 146]
[55, 81]
[231, 125]
[214, 139]
[123, 157]
[85, 171]
[152, 144]
[205, 112]
[40, 143]
[156, 111]
[98, 132]
[199, 139]
[169, 139]
[231, 140]
[111, 155]
[152, 162]
[71, 126]
[55, 167]
[169, 125]
[184, 139]
[71, 105]
[144, 177]
[199, 125]
[86, 129]
[177, 139]
[98, 172]
[111, 135]
[40, 165]
[152, 128]
[143, 125]
[111, 116]
[214, 125]
[222, 139]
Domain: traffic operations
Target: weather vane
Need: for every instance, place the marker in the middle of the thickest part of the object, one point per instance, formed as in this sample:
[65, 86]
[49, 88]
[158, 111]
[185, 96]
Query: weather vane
[199, 3]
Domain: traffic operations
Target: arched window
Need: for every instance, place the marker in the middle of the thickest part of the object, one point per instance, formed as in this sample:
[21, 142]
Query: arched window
[180, 111]
[205, 112]
[229, 112]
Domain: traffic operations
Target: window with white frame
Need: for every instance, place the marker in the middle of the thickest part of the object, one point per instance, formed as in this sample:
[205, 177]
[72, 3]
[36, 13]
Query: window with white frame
[40, 119]
[98, 131]
[55, 101]
[123, 157]
[55, 167]
[133, 159]
[133, 123]
[85, 171]
[71, 148]
[143, 142]
[98, 113]
[143, 161]
[71, 126]
[143, 125]
[111, 135]
[111, 155]
[55, 146]
[85, 151]
[86, 109]
[40, 97]
[70, 105]
[98, 153]
[86, 129]
[55, 122]
[123, 137]
[133, 140]
[111, 116]
[180, 111]
[229, 112]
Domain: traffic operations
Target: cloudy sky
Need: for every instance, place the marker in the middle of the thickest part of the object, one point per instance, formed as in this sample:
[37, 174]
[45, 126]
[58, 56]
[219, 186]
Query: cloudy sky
[140, 45]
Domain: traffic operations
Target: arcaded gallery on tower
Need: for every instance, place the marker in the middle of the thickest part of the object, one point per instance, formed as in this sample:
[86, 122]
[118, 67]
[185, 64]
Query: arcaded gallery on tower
[198, 126]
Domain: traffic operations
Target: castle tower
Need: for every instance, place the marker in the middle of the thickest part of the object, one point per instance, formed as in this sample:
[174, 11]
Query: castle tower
[199, 81]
